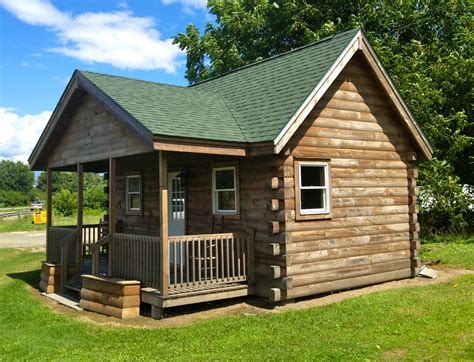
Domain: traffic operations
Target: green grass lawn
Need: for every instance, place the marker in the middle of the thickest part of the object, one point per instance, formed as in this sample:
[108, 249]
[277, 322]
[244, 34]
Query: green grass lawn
[429, 323]
[25, 223]
[457, 252]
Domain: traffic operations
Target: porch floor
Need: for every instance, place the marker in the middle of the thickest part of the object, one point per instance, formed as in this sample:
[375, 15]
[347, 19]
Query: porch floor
[195, 294]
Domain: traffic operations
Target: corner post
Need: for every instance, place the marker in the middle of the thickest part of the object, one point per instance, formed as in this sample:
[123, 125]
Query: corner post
[49, 211]
[80, 205]
[112, 206]
[164, 265]
[251, 255]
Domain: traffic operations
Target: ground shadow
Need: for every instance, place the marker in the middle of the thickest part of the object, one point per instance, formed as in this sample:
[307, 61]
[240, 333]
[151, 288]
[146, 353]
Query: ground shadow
[31, 277]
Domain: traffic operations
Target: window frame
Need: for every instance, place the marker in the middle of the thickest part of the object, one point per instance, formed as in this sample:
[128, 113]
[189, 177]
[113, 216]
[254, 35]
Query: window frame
[221, 167]
[312, 214]
[129, 210]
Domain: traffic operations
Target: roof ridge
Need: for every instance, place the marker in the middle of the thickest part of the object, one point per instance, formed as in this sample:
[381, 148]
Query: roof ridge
[327, 38]
[134, 79]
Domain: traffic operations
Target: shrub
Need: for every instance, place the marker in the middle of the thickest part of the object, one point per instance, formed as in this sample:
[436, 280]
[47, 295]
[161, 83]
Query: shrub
[94, 198]
[444, 205]
[65, 202]
[9, 198]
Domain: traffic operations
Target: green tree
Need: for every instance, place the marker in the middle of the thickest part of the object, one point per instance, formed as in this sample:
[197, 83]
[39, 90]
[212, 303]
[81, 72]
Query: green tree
[16, 176]
[65, 202]
[68, 181]
[9, 198]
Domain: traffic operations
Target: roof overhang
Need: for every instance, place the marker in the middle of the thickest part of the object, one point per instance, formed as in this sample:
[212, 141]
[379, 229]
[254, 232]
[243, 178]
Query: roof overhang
[362, 44]
[77, 84]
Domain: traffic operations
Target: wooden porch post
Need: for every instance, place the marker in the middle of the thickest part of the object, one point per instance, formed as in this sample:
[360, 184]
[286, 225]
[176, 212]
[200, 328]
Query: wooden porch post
[49, 210]
[112, 205]
[164, 265]
[80, 205]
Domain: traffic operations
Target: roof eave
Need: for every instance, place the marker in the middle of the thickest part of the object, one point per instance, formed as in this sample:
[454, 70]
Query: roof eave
[79, 81]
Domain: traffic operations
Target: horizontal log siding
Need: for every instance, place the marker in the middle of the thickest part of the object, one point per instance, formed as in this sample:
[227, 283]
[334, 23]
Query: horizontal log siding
[369, 236]
[92, 133]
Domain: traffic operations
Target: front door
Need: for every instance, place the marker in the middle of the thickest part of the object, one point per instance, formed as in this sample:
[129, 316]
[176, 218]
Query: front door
[176, 205]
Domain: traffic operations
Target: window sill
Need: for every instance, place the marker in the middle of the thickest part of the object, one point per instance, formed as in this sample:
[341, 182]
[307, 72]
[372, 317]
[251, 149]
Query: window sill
[313, 216]
[133, 212]
[227, 216]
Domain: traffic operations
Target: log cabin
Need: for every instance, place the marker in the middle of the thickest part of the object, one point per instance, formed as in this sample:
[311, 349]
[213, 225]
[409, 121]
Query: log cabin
[289, 177]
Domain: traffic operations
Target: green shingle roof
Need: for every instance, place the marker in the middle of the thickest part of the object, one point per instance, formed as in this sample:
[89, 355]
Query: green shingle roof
[249, 104]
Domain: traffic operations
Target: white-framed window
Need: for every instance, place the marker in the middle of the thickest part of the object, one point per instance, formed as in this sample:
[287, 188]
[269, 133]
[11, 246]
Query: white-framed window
[314, 189]
[225, 190]
[134, 193]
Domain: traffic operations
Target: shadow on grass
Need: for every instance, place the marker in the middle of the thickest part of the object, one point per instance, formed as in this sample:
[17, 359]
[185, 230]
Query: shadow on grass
[31, 277]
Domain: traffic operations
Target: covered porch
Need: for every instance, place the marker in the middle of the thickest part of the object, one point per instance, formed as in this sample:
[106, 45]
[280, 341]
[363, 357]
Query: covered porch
[173, 269]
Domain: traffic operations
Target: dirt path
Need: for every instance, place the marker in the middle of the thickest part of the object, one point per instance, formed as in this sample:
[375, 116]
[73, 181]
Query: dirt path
[249, 307]
[23, 239]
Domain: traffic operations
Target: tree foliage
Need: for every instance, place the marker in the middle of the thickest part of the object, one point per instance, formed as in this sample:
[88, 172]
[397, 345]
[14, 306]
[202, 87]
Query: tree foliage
[94, 195]
[426, 46]
[9, 198]
[65, 202]
[16, 176]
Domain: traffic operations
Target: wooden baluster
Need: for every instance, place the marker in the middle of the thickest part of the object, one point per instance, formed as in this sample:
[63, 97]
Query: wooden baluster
[193, 243]
[205, 260]
[199, 259]
[228, 259]
[187, 260]
[181, 261]
[175, 263]
[238, 257]
[211, 262]
[217, 258]
[233, 258]
[221, 240]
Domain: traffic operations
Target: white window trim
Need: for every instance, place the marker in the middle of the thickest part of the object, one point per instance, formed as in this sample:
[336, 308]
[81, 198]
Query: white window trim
[327, 207]
[215, 208]
[139, 193]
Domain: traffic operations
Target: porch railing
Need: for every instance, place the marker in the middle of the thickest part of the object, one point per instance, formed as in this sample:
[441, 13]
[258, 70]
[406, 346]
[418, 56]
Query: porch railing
[194, 259]
[209, 259]
[91, 234]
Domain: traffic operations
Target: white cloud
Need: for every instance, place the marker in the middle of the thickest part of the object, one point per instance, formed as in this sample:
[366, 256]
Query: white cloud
[20, 133]
[118, 38]
[188, 5]
[197, 4]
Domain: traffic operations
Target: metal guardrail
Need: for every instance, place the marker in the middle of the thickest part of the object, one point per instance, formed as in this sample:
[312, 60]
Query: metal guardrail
[19, 213]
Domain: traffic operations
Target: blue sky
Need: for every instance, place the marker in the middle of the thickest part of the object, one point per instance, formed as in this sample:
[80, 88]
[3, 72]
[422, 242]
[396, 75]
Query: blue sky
[43, 41]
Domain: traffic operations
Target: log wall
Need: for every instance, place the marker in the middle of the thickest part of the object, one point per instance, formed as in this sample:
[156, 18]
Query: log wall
[370, 235]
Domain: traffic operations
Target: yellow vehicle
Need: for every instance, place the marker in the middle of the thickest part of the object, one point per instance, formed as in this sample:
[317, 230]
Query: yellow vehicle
[39, 217]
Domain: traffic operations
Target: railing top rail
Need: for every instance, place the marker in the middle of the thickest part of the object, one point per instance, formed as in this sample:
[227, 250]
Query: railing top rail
[106, 239]
[63, 227]
[143, 237]
[207, 236]
[91, 225]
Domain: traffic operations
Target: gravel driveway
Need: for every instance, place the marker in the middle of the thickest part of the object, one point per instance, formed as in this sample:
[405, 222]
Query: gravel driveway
[23, 239]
